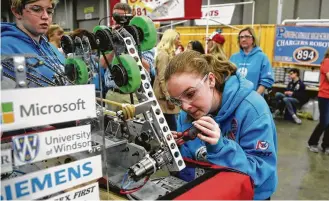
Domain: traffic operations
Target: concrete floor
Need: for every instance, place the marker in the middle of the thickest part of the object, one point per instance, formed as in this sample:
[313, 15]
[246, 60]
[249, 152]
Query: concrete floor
[302, 174]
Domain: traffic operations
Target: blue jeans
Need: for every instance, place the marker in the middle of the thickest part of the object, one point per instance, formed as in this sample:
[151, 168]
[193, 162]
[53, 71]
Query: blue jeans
[289, 102]
[323, 125]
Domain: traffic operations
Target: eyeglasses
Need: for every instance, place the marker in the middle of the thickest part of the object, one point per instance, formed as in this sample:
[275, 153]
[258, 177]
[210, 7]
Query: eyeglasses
[38, 11]
[189, 95]
[245, 36]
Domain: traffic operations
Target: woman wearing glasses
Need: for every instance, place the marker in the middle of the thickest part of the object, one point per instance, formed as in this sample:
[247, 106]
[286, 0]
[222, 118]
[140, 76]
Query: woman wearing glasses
[26, 37]
[237, 129]
[252, 63]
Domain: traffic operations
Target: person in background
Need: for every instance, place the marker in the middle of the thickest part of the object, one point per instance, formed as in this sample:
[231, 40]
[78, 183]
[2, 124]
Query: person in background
[121, 9]
[179, 49]
[215, 44]
[196, 46]
[165, 52]
[148, 57]
[27, 36]
[114, 92]
[235, 123]
[323, 98]
[294, 94]
[252, 63]
[54, 35]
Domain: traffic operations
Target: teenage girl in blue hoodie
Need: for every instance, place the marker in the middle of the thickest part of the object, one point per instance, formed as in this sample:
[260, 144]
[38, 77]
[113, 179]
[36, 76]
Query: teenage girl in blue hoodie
[26, 37]
[240, 134]
[252, 63]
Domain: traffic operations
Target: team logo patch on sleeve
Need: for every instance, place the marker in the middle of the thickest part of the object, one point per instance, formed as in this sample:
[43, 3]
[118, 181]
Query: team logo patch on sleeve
[262, 145]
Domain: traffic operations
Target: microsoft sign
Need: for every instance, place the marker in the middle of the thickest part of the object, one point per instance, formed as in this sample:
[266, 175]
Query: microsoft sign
[24, 108]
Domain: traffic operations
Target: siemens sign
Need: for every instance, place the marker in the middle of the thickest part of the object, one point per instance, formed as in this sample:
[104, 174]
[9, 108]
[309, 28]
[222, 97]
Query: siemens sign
[44, 106]
[52, 180]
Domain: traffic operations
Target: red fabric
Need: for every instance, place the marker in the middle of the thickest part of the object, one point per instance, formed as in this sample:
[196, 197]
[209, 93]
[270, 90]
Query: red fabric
[324, 83]
[192, 10]
[218, 38]
[222, 186]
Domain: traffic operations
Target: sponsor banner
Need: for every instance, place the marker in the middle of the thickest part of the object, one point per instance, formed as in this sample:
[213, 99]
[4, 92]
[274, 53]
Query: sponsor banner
[37, 147]
[52, 180]
[158, 10]
[43, 106]
[221, 14]
[301, 45]
[89, 192]
[6, 161]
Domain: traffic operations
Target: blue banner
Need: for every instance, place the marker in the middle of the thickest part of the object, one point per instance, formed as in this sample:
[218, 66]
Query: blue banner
[301, 45]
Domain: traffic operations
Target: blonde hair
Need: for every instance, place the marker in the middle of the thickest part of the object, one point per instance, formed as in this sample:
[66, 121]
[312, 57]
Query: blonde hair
[19, 5]
[52, 29]
[217, 50]
[202, 64]
[251, 32]
[167, 42]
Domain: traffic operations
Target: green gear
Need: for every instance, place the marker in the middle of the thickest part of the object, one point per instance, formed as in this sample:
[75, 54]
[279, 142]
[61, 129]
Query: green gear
[100, 27]
[150, 33]
[134, 76]
[80, 69]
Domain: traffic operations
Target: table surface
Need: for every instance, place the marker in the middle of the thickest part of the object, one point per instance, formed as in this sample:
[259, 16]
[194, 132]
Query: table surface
[308, 88]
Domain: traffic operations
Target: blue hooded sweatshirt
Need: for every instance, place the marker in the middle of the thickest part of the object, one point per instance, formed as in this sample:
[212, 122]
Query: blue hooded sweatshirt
[255, 66]
[46, 57]
[248, 140]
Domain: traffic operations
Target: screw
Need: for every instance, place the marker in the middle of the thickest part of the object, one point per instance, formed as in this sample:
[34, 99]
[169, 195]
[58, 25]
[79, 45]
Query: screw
[20, 68]
[22, 83]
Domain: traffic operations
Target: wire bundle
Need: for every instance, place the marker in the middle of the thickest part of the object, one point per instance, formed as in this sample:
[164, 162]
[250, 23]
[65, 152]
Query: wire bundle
[126, 183]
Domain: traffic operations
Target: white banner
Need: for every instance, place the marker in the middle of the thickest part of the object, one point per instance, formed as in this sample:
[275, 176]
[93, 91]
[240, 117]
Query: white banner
[160, 9]
[52, 180]
[89, 192]
[6, 161]
[25, 108]
[40, 146]
[221, 14]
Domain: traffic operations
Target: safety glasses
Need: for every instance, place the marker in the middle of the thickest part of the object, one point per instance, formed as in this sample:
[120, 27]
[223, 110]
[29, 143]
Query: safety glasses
[189, 95]
[39, 11]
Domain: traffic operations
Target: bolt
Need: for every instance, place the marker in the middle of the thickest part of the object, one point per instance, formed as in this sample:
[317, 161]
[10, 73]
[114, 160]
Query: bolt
[125, 150]
[22, 83]
[20, 68]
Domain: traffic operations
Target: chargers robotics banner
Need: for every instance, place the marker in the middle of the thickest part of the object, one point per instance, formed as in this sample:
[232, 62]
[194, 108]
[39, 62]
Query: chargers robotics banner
[301, 45]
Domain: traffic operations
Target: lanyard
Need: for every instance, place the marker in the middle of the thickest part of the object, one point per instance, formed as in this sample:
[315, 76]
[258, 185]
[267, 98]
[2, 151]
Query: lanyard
[52, 59]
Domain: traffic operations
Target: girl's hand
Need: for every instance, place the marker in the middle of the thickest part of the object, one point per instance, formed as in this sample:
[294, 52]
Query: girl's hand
[209, 128]
[178, 136]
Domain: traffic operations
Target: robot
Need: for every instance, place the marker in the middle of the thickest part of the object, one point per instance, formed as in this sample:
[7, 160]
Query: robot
[136, 141]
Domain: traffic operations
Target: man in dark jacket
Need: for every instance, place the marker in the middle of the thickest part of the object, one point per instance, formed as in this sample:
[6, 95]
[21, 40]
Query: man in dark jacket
[294, 94]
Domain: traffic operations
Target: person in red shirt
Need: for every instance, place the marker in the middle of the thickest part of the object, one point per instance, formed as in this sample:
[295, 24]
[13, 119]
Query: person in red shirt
[323, 97]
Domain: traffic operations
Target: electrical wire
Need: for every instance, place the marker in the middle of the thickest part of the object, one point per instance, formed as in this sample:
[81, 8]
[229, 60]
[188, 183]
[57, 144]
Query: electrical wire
[130, 191]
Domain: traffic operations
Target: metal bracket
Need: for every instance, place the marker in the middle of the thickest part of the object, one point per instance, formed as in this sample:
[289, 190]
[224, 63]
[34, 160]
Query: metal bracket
[20, 71]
